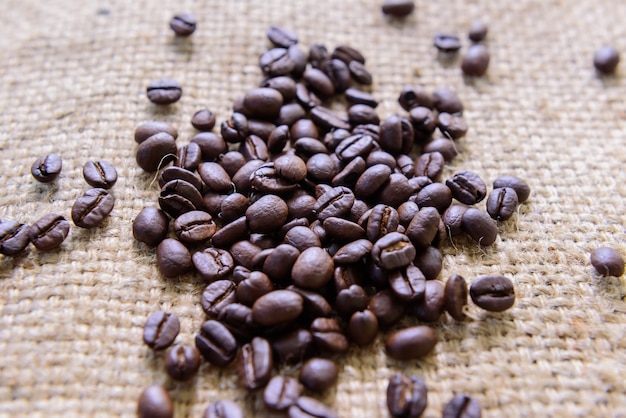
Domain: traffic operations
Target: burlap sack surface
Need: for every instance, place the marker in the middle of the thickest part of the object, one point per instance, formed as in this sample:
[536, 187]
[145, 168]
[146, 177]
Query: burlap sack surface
[73, 81]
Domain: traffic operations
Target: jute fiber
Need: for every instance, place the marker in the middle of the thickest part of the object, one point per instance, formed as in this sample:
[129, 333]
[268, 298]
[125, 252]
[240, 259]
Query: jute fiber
[73, 81]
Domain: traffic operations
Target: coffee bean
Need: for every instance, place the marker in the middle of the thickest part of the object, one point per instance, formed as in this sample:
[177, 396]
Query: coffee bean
[223, 409]
[146, 130]
[238, 319]
[478, 31]
[445, 146]
[100, 174]
[156, 152]
[479, 226]
[411, 343]
[381, 220]
[313, 268]
[255, 363]
[178, 173]
[452, 126]
[327, 119]
[446, 100]
[335, 202]
[314, 305]
[398, 8]
[348, 54]
[430, 262]
[215, 177]
[90, 209]
[194, 227]
[359, 73]
[160, 330]
[164, 92]
[493, 293]
[49, 231]
[182, 362]
[262, 102]
[476, 61]
[285, 85]
[299, 58]
[447, 42]
[279, 306]
[349, 175]
[307, 407]
[216, 296]
[183, 24]
[396, 191]
[387, 308]
[339, 74]
[327, 335]
[430, 165]
[467, 187]
[396, 135]
[351, 300]
[371, 181]
[354, 96]
[203, 120]
[178, 197]
[353, 252]
[318, 374]
[455, 294]
[408, 283]
[47, 168]
[606, 59]
[321, 168]
[235, 129]
[515, 183]
[502, 203]
[307, 147]
[413, 96]
[14, 237]
[423, 227]
[267, 214]
[430, 308]
[319, 82]
[281, 392]
[173, 258]
[155, 402]
[393, 251]
[293, 346]
[406, 396]
[424, 123]
[216, 343]
[462, 406]
[452, 219]
[233, 206]
[189, 156]
[253, 287]
[282, 37]
[231, 233]
[150, 226]
[363, 327]
[306, 98]
[290, 113]
[607, 261]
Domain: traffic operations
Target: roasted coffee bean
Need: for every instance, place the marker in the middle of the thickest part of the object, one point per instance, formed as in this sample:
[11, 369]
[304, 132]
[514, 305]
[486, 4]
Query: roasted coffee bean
[321, 168]
[215, 177]
[452, 126]
[393, 251]
[178, 197]
[413, 96]
[405, 165]
[327, 119]
[350, 300]
[406, 396]
[493, 293]
[203, 120]
[319, 82]
[267, 214]
[382, 220]
[339, 74]
[313, 268]
[300, 206]
[455, 295]
[160, 330]
[502, 203]
[233, 206]
[235, 129]
[387, 308]
[279, 138]
[314, 304]
[363, 327]
[462, 406]
[349, 175]
[396, 191]
[318, 374]
[255, 363]
[173, 258]
[327, 335]
[398, 8]
[345, 276]
[189, 156]
[430, 261]
[360, 114]
[279, 262]
[479, 226]
[299, 58]
[515, 183]
[91, 209]
[231, 233]
[467, 187]
[478, 31]
[307, 147]
[183, 24]
[282, 37]
[244, 252]
[281, 392]
[216, 296]
[307, 407]
[285, 85]
[423, 227]
[371, 181]
[408, 283]
[411, 343]
[306, 97]
[606, 59]
[267, 180]
[146, 130]
[289, 114]
[250, 289]
[396, 133]
[232, 161]
[211, 147]
[293, 347]
[447, 42]
[406, 212]
[333, 138]
[430, 308]
[194, 227]
[607, 261]
[318, 55]
[216, 343]
[446, 100]
[238, 319]
[435, 195]
[156, 152]
[277, 307]
[348, 54]
[452, 219]
[335, 202]
[262, 103]
[476, 61]
[100, 174]
[49, 231]
[223, 409]
[150, 226]
[354, 96]
[182, 362]
[178, 173]
[424, 123]
[359, 73]
[445, 146]
[155, 402]
[430, 165]
[47, 168]
[275, 62]
[164, 92]
[341, 230]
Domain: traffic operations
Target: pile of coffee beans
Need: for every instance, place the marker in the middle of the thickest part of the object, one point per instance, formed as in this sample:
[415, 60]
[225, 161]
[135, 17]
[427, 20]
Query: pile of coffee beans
[315, 229]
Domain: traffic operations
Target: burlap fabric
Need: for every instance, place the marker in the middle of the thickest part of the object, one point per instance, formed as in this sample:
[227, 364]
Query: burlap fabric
[73, 81]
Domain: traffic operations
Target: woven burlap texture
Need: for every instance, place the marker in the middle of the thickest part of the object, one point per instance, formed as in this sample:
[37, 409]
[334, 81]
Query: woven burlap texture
[74, 77]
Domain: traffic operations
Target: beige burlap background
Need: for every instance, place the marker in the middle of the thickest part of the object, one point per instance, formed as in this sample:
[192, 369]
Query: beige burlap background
[73, 81]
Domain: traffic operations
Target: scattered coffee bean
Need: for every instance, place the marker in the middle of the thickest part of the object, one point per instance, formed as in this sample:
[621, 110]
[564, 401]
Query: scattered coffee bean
[502, 203]
[173, 258]
[313, 268]
[203, 120]
[92, 208]
[100, 174]
[155, 402]
[279, 306]
[606, 59]
[146, 130]
[455, 295]
[281, 392]
[282, 37]
[216, 343]
[164, 92]
[493, 293]
[150, 226]
[411, 343]
[430, 308]
[183, 24]
[475, 61]
[318, 374]
[14, 237]
[156, 152]
[160, 330]
[223, 409]
[49, 232]
[182, 362]
[520, 186]
[467, 187]
[446, 100]
[479, 226]
[446, 42]
[607, 261]
[462, 406]
[478, 31]
[327, 335]
[47, 168]
[406, 396]
[398, 8]
[255, 363]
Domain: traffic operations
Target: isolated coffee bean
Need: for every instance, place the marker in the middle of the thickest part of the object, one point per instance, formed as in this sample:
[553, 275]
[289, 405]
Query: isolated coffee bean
[47, 168]
[100, 174]
[398, 8]
[411, 343]
[502, 203]
[520, 186]
[150, 226]
[282, 37]
[478, 31]
[223, 409]
[203, 120]
[147, 129]
[164, 92]
[406, 396]
[462, 406]
[607, 261]
[476, 61]
[447, 42]
[479, 226]
[14, 237]
[183, 24]
[452, 126]
[467, 187]
[156, 152]
[455, 295]
[606, 59]
[173, 258]
[49, 231]
[182, 362]
[255, 363]
[318, 374]
[216, 343]
[155, 402]
[281, 392]
[160, 330]
[348, 54]
[493, 293]
[92, 208]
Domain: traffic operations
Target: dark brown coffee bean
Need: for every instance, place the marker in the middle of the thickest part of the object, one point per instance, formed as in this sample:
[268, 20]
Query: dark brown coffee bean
[396, 133]
[231, 233]
[289, 114]
[476, 61]
[255, 363]
[430, 261]
[279, 138]
[360, 114]
[216, 344]
[233, 206]
[286, 86]
[467, 187]
[342, 230]
[319, 82]
[396, 191]
[307, 147]
[423, 227]
[173, 258]
[406, 396]
[276, 62]
[267, 214]
[150, 226]
[155, 402]
[321, 168]
[178, 197]
[299, 58]
[277, 307]
[160, 330]
[387, 308]
[92, 208]
[314, 305]
[307, 407]
[446, 100]
[354, 96]
[430, 308]
[502, 203]
[478, 31]
[447, 42]
[49, 231]
[189, 156]
[183, 24]
[408, 283]
[339, 74]
[452, 126]
[318, 374]
[462, 406]
[350, 300]
[493, 293]
[359, 73]
[313, 268]
[413, 96]
[146, 130]
[349, 175]
[279, 263]
[282, 37]
[178, 173]
[455, 294]
[411, 343]
[393, 251]
[182, 362]
[479, 226]
[430, 165]
[47, 168]
[445, 146]
[606, 60]
[262, 103]
[216, 296]
[335, 202]
[363, 327]
[156, 152]
[281, 392]
[348, 54]
[100, 174]
[293, 347]
[406, 212]
[213, 263]
[215, 177]
[164, 92]
[382, 220]
[353, 251]
[327, 120]
[515, 183]
[398, 8]
[452, 219]
[256, 285]
[235, 129]
[607, 261]
[424, 123]
[195, 226]
[223, 409]
[371, 181]
[238, 319]
[203, 120]
[306, 97]
[327, 335]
